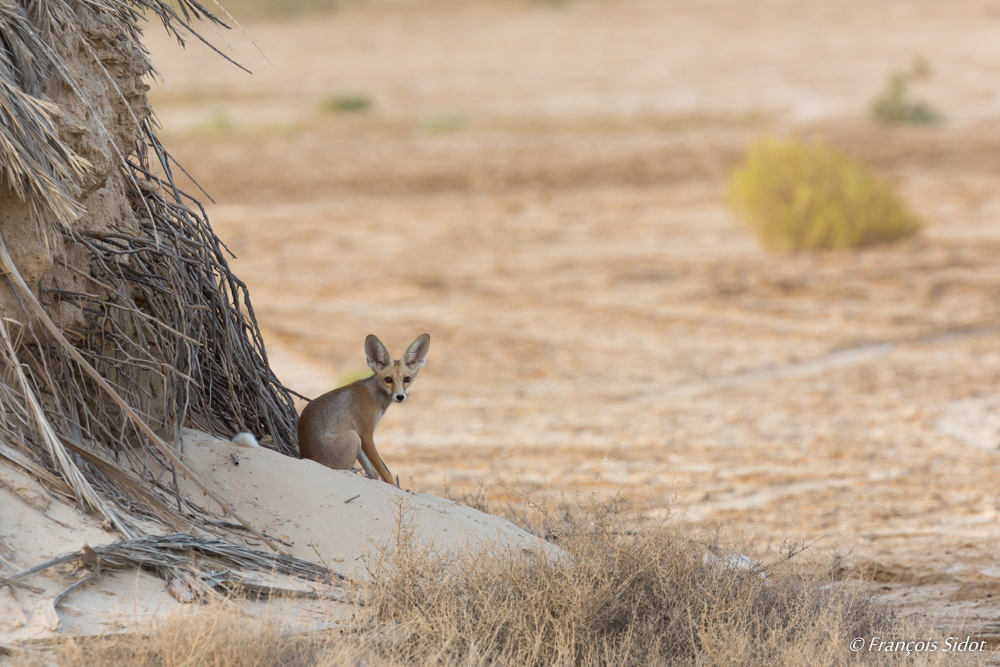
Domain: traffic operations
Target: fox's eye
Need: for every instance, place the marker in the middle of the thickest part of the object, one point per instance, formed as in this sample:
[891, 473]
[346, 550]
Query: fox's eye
[406, 379]
[388, 380]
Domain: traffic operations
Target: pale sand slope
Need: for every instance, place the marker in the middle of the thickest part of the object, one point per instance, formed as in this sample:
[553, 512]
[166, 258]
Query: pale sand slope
[304, 503]
[299, 502]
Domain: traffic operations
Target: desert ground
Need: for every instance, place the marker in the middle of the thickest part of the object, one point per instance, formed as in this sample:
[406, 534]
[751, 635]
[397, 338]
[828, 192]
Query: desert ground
[542, 187]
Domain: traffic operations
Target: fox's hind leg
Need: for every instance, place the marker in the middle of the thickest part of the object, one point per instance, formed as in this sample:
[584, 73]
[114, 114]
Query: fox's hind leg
[338, 451]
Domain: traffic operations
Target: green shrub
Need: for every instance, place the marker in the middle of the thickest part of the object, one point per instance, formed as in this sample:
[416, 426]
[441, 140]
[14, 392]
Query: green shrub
[893, 106]
[274, 9]
[347, 103]
[444, 122]
[218, 124]
[352, 375]
[806, 197]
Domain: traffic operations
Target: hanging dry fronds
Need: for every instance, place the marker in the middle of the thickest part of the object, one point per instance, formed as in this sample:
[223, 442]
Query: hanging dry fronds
[137, 327]
[35, 162]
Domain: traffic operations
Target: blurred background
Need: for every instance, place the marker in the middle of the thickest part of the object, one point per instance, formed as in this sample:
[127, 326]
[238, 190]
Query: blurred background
[620, 300]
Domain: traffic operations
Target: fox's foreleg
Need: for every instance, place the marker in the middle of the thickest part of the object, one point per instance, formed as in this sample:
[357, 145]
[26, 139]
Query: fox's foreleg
[368, 450]
[367, 465]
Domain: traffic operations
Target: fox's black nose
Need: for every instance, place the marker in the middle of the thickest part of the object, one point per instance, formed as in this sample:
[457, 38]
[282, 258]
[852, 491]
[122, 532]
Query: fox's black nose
[400, 397]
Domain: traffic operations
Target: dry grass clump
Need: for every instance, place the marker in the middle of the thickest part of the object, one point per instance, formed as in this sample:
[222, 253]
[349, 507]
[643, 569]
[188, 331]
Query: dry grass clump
[205, 636]
[807, 197]
[611, 593]
[614, 592]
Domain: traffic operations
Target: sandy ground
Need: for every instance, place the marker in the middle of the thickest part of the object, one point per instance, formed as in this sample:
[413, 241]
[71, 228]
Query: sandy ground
[542, 189]
[334, 517]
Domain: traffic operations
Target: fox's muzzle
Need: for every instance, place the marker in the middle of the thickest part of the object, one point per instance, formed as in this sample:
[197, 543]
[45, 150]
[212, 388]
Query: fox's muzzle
[400, 398]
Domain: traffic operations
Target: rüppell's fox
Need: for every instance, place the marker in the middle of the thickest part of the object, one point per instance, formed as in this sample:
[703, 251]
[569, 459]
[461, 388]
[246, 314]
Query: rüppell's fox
[338, 428]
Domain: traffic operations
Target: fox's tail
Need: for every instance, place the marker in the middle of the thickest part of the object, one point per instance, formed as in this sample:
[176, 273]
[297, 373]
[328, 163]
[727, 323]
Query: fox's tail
[246, 440]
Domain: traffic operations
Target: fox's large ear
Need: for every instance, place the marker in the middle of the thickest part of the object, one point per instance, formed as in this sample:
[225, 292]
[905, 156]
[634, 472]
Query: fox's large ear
[378, 355]
[416, 354]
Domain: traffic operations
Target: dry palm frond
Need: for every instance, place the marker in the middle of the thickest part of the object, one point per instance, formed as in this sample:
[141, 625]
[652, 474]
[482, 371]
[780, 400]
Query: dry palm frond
[165, 555]
[175, 272]
[168, 336]
[194, 566]
[128, 483]
[70, 471]
[53, 483]
[66, 466]
[6, 555]
[37, 165]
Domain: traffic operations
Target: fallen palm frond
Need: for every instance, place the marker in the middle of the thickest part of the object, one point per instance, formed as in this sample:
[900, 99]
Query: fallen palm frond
[166, 555]
[6, 554]
[138, 327]
[65, 466]
[193, 566]
[52, 483]
[136, 495]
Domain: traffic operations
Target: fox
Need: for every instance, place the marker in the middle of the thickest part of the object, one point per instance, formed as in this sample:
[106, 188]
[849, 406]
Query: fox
[338, 428]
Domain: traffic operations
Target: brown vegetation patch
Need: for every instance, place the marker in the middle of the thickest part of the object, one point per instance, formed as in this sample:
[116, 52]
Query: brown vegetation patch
[612, 595]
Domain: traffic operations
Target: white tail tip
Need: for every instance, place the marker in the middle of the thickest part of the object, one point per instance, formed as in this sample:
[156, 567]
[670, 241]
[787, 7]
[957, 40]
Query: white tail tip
[246, 440]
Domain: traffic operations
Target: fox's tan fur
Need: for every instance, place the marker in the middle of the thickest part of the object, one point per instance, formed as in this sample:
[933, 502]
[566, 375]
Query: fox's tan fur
[338, 428]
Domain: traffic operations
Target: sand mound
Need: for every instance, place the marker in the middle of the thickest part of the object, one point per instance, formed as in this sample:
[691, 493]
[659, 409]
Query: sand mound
[319, 514]
[305, 504]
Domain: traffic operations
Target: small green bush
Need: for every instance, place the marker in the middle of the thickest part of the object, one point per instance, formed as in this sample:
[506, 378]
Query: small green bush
[218, 124]
[273, 9]
[347, 103]
[444, 122]
[806, 197]
[893, 106]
